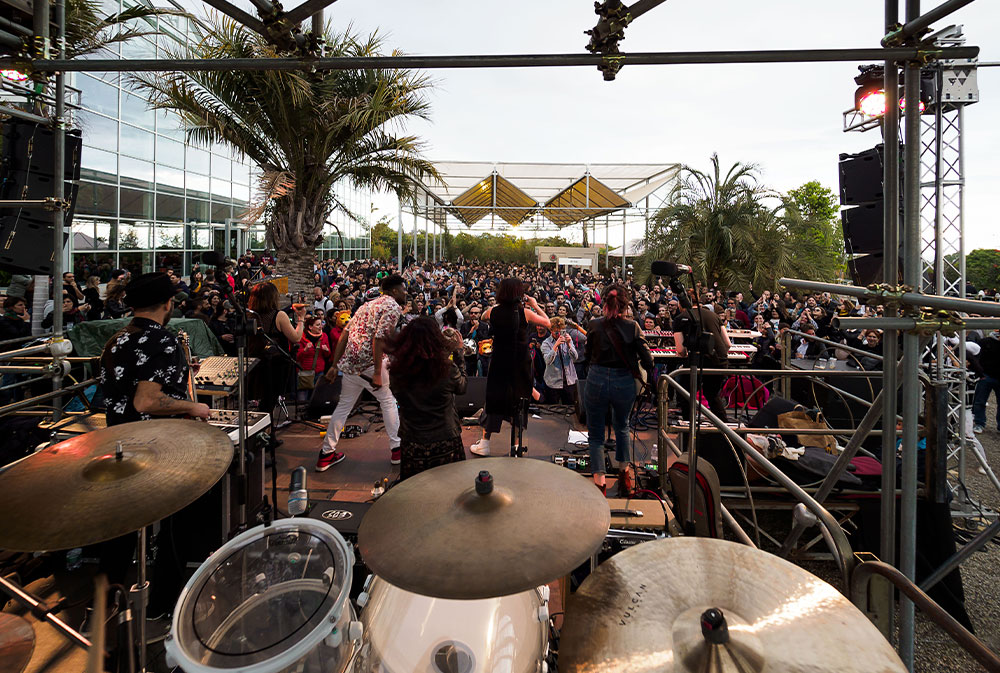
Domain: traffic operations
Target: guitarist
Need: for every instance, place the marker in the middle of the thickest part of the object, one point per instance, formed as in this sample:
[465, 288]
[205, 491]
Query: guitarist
[144, 373]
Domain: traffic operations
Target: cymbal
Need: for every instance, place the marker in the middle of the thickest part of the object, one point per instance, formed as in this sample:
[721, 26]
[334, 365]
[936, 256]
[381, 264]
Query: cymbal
[81, 491]
[642, 611]
[17, 642]
[434, 535]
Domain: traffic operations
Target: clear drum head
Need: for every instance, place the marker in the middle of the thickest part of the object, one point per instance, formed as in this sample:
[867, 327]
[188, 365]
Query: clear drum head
[267, 601]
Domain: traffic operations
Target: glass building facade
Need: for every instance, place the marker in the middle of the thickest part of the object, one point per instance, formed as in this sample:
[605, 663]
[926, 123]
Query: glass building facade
[148, 200]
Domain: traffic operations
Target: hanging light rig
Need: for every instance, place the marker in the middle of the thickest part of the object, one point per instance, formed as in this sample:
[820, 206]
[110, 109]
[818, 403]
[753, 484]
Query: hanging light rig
[869, 99]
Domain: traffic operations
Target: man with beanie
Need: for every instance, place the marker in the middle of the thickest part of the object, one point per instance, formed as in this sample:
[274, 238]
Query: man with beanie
[143, 369]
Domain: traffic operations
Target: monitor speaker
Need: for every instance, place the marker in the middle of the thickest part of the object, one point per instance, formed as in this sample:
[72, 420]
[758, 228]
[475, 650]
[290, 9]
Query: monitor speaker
[474, 398]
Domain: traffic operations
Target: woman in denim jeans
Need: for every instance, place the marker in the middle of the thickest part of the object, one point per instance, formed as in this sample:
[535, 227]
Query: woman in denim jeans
[615, 348]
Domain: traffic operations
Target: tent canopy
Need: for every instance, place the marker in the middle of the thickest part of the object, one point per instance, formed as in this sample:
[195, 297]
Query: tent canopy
[471, 190]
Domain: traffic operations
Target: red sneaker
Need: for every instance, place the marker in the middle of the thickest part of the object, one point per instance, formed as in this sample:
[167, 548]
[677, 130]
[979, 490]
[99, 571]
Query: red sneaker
[328, 460]
[397, 457]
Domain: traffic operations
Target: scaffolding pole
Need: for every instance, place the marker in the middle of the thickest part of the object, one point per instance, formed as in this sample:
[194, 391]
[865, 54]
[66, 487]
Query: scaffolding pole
[491, 61]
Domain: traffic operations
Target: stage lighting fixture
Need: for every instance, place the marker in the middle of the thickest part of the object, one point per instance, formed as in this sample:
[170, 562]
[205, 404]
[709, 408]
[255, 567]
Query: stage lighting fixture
[13, 75]
[869, 98]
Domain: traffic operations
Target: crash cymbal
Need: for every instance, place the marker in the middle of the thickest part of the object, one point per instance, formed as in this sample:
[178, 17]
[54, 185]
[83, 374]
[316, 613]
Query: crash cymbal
[108, 482]
[17, 642]
[435, 535]
[644, 610]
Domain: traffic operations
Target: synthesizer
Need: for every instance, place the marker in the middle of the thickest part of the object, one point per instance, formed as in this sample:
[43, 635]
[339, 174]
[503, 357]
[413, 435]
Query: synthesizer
[733, 334]
[227, 420]
[738, 352]
[220, 372]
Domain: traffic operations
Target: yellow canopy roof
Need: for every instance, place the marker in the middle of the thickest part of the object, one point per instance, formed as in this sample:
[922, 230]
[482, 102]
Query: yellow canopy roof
[582, 200]
[496, 193]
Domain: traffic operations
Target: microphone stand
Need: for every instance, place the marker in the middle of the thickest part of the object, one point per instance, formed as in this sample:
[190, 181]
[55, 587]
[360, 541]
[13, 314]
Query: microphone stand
[244, 326]
[694, 365]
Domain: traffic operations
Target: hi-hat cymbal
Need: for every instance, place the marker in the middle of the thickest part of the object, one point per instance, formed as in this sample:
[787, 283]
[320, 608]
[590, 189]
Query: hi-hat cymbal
[108, 482]
[435, 535]
[643, 611]
[17, 642]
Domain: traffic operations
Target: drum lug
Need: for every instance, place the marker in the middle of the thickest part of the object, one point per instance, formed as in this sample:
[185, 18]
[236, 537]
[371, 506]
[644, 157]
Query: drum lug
[368, 582]
[355, 630]
[544, 592]
[334, 639]
[362, 599]
[543, 613]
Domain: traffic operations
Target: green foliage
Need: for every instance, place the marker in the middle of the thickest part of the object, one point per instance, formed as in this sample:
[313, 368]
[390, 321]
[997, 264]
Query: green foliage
[306, 130]
[734, 231]
[815, 236]
[128, 240]
[982, 268]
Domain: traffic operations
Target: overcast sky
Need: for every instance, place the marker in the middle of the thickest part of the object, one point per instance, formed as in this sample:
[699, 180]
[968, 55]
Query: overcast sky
[785, 118]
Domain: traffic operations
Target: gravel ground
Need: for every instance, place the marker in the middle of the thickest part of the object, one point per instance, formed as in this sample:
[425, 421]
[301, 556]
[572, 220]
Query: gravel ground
[935, 651]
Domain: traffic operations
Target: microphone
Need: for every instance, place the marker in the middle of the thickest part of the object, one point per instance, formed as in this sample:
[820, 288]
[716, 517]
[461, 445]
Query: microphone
[670, 269]
[298, 498]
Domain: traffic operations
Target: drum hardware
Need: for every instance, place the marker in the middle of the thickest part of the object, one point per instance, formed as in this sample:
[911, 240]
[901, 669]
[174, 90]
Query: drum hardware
[538, 522]
[703, 604]
[140, 463]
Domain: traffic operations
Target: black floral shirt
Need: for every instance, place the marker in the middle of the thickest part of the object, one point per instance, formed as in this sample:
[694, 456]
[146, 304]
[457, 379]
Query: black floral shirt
[143, 350]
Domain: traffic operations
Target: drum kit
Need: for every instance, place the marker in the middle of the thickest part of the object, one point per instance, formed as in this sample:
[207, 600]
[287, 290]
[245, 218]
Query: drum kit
[462, 558]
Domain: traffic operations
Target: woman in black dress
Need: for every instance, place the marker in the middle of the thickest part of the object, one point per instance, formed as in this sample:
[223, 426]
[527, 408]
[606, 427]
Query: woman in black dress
[509, 378]
[272, 376]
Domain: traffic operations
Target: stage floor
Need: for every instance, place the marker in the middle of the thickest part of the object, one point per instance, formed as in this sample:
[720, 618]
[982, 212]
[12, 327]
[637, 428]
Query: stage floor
[368, 455]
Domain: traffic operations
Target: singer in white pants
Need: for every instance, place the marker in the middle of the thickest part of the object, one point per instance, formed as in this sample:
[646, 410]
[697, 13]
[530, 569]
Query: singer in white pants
[351, 387]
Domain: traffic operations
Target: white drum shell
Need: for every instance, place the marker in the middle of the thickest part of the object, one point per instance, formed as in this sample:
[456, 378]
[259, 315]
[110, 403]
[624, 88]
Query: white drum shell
[325, 649]
[406, 632]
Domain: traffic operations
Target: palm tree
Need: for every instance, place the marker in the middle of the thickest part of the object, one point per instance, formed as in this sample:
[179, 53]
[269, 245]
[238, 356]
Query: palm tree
[723, 227]
[305, 130]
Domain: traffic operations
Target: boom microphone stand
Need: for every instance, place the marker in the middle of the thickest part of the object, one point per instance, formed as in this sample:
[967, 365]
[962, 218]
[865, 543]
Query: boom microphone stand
[695, 345]
[244, 326]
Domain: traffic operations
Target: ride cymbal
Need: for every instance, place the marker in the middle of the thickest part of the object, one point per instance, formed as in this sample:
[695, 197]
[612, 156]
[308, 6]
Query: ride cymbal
[108, 482]
[435, 535]
[649, 608]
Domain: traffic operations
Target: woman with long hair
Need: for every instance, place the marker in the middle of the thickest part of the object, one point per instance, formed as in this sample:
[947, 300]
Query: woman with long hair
[426, 373]
[615, 348]
[114, 305]
[92, 293]
[270, 378]
[509, 379]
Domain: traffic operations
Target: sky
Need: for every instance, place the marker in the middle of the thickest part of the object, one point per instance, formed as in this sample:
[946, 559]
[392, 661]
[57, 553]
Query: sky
[785, 118]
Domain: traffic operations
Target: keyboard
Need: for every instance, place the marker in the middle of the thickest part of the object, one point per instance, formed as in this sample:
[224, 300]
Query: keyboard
[220, 372]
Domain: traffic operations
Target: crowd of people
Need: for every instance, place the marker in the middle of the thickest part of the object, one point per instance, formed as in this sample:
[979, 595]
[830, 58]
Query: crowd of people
[534, 332]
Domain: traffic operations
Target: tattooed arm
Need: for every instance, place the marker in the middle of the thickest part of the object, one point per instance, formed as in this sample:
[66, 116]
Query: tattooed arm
[150, 399]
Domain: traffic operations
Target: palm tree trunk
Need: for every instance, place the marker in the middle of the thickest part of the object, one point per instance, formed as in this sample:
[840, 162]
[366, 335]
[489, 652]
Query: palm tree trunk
[297, 264]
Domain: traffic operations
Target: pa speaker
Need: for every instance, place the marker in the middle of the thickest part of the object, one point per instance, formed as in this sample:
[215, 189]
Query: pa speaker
[867, 269]
[26, 244]
[861, 176]
[30, 148]
[863, 228]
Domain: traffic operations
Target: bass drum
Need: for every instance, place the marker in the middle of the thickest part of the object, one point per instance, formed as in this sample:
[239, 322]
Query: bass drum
[272, 599]
[409, 633]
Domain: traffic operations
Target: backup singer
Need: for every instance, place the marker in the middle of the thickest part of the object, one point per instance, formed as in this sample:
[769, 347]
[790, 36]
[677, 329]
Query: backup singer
[425, 381]
[360, 355]
[509, 378]
[268, 381]
[615, 348]
[143, 369]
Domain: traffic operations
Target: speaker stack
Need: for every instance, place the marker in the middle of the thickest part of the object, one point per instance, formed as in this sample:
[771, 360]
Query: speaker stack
[26, 173]
[862, 189]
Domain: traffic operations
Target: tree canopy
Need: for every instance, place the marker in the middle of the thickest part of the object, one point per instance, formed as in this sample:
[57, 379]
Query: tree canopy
[735, 232]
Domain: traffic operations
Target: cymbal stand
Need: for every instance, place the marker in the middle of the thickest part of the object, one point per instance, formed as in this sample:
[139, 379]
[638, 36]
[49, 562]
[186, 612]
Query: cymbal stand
[517, 447]
[139, 595]
[41, 611]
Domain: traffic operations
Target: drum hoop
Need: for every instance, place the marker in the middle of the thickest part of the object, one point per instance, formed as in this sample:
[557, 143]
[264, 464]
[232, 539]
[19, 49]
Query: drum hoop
[289, 656]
